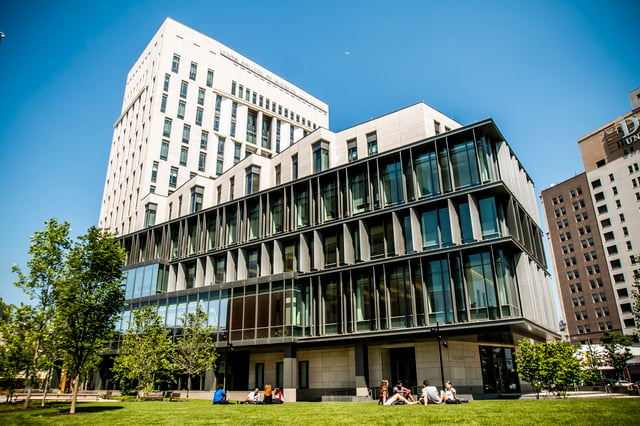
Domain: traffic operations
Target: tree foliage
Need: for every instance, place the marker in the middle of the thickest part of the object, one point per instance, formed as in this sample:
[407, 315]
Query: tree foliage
[87, 302]
[48, 251]
[195, 352]
[16, 347]
[551, 366]
[616, 349]
[146, 351]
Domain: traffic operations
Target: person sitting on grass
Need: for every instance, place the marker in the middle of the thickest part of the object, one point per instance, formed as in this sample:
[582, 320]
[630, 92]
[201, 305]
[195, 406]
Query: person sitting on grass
[430, 394]
[278, 397]
[399, 396]
[253, 397]
[220, 397]
[383, 392]
[450, 396]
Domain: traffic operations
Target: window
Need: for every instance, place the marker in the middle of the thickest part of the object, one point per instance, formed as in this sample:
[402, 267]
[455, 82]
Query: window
[184, 152]
[181, 107]
[154, 172]
[294, 167]
[237, 149]
[173, 177]
[202, 161]
[234, 111]
[465, 166]
[612, 249]
[436, 127]
[320, 156]
[201, 94]
[193, 70]
[176, 63]
[219, 167]
[602, 209]
[623, 292]
[277, 173]
[608, 236]
[303, 374]
[372, 144]
[210, 78]
[615, 264]
[596, 184]
[233, 88]
[605, 223]
[196, 198]
[163, 103]
[252, 123]
[166, 130]
[352, 150]
[436, 228]
[183, 89]
[253, 179]
[199, 113]
[598, 196]
[204, 139]
[216, 116]
[232, 187]
[150, 215]
[186, 133]
[165, 86]
[220, 145]
[164, 150]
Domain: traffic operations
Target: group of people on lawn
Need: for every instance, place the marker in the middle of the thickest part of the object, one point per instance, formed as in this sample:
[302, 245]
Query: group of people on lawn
[429, 394]
[270, 396]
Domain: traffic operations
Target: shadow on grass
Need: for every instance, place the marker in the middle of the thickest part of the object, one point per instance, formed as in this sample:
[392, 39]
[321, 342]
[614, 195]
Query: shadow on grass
[63, 409]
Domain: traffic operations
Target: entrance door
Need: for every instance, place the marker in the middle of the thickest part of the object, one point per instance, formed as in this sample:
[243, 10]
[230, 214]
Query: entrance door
[498, 370]
[403, 366]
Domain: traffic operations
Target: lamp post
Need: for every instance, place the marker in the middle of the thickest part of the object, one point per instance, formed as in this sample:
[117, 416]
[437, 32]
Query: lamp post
[226, 363]
[440, 344]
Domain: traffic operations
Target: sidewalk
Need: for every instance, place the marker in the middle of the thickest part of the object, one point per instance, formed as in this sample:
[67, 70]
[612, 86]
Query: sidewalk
[580, 394]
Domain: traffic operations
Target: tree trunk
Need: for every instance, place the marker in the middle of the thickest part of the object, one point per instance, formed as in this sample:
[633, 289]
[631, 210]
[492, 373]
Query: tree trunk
[74, 395]
[188, 385]
[47, 381]
[29, 373]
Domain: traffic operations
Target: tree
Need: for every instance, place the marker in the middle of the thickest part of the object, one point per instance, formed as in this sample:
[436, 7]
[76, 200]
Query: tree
[616, 351]
[146, 351]
[16, 347]
[87, 302]
[48, 250]
[552, 366]
[195, 352]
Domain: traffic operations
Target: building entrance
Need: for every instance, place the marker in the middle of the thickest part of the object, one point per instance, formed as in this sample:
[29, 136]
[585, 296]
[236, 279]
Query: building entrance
[403, 367]
[498, 370]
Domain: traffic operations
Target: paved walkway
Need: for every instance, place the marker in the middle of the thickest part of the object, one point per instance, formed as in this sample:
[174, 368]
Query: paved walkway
[581, 394]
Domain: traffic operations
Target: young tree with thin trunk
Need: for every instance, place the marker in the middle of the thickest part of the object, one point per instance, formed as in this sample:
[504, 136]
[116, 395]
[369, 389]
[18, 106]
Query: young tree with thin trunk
[87, 302]
[48, 252]
[616, 350]
[146, 351]
[16, 347]
[195, 351]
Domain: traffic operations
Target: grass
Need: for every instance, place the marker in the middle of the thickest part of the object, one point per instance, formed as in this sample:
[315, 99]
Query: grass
[614, 411]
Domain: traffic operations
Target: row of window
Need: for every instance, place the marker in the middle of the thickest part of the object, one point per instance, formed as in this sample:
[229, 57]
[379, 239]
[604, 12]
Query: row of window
[461, 287]
[193, 71]
[257, 99]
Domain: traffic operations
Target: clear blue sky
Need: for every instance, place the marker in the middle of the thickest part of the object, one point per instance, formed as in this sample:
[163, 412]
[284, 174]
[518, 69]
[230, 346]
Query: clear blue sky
[548, 72]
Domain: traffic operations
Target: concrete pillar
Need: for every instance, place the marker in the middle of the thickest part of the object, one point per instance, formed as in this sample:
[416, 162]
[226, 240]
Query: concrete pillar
[290, 373]
[362, 366]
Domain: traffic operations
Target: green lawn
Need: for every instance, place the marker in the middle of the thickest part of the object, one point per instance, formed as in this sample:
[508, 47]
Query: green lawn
[614, 411]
